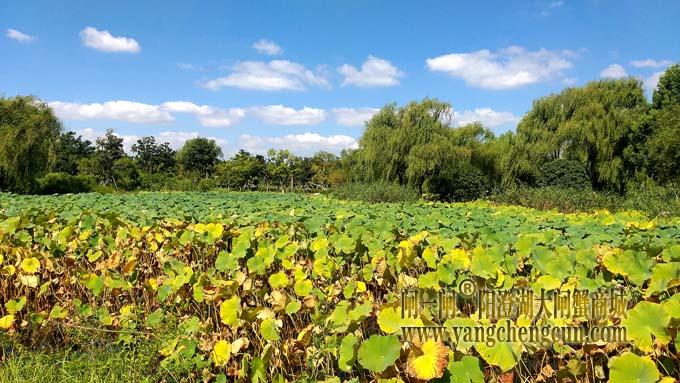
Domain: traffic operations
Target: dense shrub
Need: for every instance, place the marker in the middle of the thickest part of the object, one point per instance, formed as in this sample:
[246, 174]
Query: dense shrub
[459, 185]
[62, 183]
[568, 174]
[645, 195]
[375, 192]
[561, 199]
[206, 184]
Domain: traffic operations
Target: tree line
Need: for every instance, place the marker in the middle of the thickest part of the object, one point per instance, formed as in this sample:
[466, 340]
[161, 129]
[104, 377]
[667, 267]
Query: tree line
[602, 136]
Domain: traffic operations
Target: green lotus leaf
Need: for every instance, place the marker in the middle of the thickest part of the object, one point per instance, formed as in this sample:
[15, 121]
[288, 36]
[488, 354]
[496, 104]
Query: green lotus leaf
[630, 368]
[466, 370]
[379, 352]
[347, 352]
[645, 322]
[269, 329]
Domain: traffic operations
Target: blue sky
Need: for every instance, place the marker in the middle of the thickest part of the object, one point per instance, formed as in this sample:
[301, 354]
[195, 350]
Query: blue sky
[305, 75]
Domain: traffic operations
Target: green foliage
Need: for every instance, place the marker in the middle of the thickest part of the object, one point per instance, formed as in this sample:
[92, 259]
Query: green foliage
[70, 150]
[568, 174]
[667, 91]
[62, 183]
[375, 192]
[153, 157]
[28, 133]
[464, 184]
[126, 174]
[590, 124]
[242, 171]
[663, 145]
[206, 184]
[199, 156]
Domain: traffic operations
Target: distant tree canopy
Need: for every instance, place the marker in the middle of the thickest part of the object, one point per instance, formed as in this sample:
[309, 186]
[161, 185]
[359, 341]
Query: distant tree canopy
[590, 124]
[29, 131]
[153, 157]
[200, 156]
[70, 150]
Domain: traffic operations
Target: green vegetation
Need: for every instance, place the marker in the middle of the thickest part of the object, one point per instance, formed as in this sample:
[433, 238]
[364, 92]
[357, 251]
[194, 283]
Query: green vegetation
[286, 287]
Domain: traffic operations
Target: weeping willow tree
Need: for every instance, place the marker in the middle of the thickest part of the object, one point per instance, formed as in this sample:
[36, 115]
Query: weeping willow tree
[410, 144]
[29, 131]
[591, 125]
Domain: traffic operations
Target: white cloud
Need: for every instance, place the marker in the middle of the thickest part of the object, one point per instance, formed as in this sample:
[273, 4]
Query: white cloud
[19, 36]
[613, 71]
[275, 75]
[555, 4]
[569, 81]
[652, 81]
[487, 116]
[207, 115]
[305, 143]
[129, 111]
[105, 42]
[374, 72]
[649, 63]
[353, 116]
[509, 68]
[267, 47]
[137, 112]
[187, 66]
[282, 115]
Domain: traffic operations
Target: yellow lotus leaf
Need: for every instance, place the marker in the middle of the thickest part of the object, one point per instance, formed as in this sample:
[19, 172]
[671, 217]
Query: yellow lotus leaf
[30, 265]
[221, 353]
[229, 311]
[432, 358]
[6, 322]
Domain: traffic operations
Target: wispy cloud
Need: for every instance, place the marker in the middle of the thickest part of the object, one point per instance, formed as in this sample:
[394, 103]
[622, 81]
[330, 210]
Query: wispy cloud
[267, 47]
[19, 36]
[353, 116]
[649, 63]
[305, 143]
[276, 75]
[487, 116]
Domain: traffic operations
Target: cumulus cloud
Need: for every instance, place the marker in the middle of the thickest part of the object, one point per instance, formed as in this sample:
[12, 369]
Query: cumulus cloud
[267, 47]
[19, 36]
[129, 111]
[282, 115]
[105, 42]
[487, 116]
[652, 81]
[509, 68]
[613, 71]
[208, 116]
[353, 116]
[275, 75]
[305, 143]
[649, 63]
[374, 72]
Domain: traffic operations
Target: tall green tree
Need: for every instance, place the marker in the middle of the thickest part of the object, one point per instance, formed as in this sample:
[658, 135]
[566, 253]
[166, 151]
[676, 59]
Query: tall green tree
[243, 170]
[29, 131]
[199, 156]
[70, 150]
[154, 157]
[590, 124]
[667, 91]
